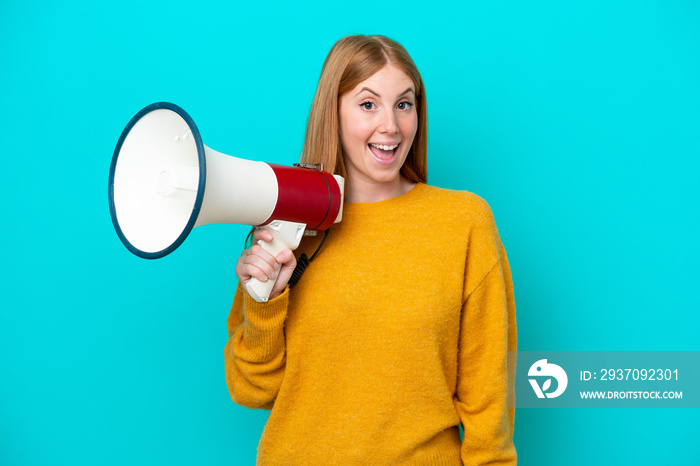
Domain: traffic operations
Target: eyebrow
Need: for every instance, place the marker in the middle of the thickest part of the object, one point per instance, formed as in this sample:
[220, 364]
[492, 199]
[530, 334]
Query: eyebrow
[410, 89]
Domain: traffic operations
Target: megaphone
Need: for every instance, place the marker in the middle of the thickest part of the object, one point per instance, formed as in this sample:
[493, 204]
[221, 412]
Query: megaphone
[163, 182]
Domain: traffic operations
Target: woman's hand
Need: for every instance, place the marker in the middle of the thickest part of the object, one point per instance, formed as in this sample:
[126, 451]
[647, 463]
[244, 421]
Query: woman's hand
[257, 263]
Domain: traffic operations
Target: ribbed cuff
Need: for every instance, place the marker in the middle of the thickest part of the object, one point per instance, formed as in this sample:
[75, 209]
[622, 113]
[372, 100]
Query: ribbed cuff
[264, 322]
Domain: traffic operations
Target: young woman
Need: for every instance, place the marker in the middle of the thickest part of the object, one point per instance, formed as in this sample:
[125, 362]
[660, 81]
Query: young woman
[400, 329]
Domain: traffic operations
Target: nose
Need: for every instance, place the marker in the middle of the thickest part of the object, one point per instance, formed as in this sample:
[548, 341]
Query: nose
[388, 124]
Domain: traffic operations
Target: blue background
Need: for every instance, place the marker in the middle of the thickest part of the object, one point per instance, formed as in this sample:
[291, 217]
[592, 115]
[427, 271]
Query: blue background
[577, 121]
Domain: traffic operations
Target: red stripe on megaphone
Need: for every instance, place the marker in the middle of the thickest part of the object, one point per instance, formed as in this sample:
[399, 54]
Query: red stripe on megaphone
[306, 196]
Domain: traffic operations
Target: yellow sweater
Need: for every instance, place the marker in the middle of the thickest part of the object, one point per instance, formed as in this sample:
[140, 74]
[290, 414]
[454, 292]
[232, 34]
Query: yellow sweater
[398, 332]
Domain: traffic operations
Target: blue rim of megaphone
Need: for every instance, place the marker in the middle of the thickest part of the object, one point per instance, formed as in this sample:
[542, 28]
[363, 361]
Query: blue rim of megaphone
[200, 189]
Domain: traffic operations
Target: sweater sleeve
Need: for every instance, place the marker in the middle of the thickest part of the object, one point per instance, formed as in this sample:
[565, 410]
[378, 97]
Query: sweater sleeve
[485, 386]
[255, 352]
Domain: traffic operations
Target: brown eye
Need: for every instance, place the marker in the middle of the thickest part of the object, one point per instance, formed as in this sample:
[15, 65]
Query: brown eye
[405, 105]
[367, 105]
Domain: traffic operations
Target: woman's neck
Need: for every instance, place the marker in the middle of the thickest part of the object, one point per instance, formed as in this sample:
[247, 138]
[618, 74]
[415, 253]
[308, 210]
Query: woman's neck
[361, 191]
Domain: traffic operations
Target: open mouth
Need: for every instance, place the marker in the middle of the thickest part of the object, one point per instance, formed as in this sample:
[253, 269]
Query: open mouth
[383, 153]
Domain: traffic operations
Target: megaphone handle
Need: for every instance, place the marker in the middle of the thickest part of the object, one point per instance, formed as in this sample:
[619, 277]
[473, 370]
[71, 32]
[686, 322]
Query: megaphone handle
[286, 235]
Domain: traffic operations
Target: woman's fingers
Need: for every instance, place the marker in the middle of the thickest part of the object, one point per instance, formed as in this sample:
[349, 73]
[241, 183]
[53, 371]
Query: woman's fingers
[287, 263]
[256, 262]
[261, 234]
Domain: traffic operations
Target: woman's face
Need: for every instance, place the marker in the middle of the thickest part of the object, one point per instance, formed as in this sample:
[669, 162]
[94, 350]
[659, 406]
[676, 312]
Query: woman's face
[378, 122]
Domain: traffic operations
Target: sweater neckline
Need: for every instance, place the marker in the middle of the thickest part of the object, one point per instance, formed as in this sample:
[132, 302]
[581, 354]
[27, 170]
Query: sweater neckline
[387, 203]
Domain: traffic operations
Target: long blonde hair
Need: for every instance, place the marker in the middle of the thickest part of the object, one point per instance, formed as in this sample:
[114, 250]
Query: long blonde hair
[352, 60]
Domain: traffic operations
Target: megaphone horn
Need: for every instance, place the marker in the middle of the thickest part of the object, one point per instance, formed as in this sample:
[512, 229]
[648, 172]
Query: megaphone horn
[163, 182]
